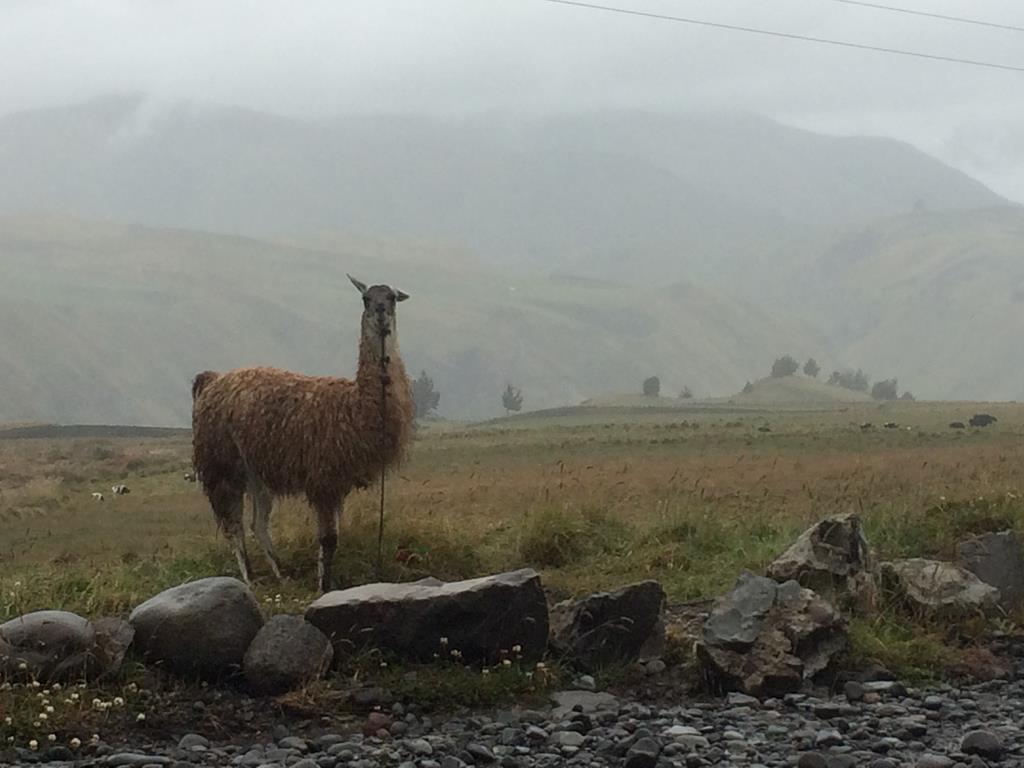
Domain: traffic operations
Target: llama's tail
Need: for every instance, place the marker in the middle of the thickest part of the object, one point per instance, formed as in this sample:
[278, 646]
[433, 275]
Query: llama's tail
[201, 381]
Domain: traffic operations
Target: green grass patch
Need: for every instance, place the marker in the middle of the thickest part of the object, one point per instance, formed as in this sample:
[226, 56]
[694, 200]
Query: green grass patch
[912, 651]
[559, 536]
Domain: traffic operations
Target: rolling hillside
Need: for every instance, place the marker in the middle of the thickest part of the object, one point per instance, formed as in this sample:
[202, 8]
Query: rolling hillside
[107, 323]
[613, 195]
[936, 299]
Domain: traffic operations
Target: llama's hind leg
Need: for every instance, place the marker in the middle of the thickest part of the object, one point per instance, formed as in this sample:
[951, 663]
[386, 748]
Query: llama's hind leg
[327, 533]
[262, 504]
[227, 502]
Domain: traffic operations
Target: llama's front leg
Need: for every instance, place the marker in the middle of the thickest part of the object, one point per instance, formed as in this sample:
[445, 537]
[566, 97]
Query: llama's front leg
[327, 529]
[227, 501]
[237, 539]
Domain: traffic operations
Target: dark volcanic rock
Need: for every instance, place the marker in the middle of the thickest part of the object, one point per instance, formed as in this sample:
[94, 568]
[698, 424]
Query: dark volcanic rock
[113, 639]
[833, 559]
[765, 638]
[479, 620]
[997, 559]
[608, 628]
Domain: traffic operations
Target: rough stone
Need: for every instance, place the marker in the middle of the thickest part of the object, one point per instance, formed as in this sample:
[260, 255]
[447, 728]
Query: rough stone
[998, 560]
[984, 744]
[200, 628]
[609, 628]
[567, 702]
[833, 559]
[113, 639]
[643, 754]
[53, 645]
[480, 620]
[938, 588]
[765, 638]
[286, 653]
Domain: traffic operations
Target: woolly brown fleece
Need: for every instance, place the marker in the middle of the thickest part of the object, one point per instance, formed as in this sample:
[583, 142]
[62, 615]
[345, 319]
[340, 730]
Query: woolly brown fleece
[311, 435]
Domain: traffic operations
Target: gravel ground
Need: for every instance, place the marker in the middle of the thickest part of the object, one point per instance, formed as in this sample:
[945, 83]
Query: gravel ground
[879, 724]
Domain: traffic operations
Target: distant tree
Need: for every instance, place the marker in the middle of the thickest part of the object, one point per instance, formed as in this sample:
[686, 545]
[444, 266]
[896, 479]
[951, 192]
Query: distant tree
[748, 388]
[885, 390]
[857, 380]
[811, 368]
[686, 394]
[652, 386]
[784, 366]
[908, 396]
[512, 399]
[424, 398]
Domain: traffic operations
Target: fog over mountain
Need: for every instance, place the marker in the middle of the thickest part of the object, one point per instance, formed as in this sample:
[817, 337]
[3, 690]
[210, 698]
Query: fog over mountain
[571, 255]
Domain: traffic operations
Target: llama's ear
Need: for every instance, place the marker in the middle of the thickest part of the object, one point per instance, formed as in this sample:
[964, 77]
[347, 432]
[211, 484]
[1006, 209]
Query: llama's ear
[400, 295]
[356, 283]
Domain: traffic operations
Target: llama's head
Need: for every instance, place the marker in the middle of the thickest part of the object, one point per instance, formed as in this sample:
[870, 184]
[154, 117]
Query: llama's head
[379, 313]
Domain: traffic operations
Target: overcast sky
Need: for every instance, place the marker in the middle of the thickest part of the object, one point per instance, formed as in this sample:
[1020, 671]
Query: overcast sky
[317, 58]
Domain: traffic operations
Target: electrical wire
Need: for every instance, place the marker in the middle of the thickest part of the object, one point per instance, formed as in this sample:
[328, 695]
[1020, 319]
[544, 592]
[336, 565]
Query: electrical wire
[930, 15]
[786, 35]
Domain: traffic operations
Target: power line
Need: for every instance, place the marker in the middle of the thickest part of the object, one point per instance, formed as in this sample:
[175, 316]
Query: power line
[787, 35]
[944, 17]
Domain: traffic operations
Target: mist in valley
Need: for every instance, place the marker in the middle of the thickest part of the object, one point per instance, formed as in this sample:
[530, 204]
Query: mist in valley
[576, 199]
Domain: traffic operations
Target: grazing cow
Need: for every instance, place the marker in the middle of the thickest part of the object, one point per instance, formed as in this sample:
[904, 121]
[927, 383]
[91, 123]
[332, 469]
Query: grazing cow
[190, 477]
[97, 496]
[982, 420]
[120, 490]
[891, 425]
[866, 426]
[957, 425]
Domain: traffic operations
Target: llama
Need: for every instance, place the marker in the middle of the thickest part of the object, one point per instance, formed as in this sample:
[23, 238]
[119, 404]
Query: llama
[270, 433]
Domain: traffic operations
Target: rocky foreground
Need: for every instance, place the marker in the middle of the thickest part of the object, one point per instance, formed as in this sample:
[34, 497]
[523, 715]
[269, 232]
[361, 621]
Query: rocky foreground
[878, 724]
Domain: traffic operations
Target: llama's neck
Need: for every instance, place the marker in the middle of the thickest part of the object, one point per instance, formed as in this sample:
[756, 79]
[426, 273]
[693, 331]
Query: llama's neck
[392, 400]
[368, 377]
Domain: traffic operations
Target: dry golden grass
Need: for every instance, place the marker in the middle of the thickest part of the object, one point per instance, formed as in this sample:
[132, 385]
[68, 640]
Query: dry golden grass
[690, 499]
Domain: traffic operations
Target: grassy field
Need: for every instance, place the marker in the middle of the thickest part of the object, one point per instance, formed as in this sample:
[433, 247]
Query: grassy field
[593, 498]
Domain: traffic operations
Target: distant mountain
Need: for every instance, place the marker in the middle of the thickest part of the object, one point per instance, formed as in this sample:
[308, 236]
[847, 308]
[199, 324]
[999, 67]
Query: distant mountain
[107, 323]
[606, 194]
[935, 299]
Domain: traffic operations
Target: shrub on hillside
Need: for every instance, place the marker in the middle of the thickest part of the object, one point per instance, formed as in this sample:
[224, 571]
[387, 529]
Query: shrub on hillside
[885, 390]
[424, 398]
[857, 381]
[784, 366]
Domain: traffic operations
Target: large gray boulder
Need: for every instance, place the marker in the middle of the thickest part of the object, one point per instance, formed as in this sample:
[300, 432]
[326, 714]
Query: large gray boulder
[202, 628]
[998, 560]
[766, 638]
[609, 628]
[481, 620]
[52, 645]
[833, 559]
[286, 653]
[937, 588]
